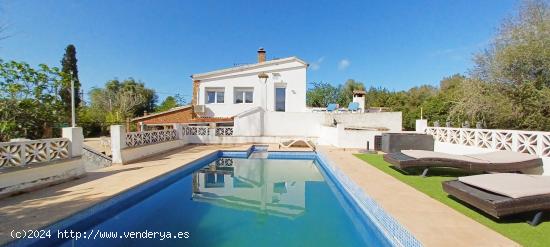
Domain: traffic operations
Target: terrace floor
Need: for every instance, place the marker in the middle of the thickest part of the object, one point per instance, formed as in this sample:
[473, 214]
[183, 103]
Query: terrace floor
[433, 223]
[45, 206]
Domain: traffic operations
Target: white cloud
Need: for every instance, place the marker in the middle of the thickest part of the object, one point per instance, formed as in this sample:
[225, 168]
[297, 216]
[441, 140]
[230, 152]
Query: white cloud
[317, 64]
[343, 64]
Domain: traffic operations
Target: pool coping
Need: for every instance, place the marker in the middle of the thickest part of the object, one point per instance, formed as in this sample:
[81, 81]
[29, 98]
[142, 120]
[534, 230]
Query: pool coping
[396, 233]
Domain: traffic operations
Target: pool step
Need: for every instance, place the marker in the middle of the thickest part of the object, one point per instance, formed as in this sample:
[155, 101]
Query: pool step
[258, 152]
[258, 155]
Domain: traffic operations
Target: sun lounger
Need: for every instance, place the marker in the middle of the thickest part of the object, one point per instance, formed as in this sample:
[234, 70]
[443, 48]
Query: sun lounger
[299, 143]
[498, 161]
[353, 107]
[503, 194]
[331, 107]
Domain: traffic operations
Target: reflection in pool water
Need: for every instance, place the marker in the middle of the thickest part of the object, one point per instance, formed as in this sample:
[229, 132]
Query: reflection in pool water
[257, 185]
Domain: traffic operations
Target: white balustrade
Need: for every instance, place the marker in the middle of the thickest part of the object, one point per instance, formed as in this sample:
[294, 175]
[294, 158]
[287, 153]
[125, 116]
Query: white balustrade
[205, 131]
[196, 131]
[224, 131]
[140, 138]
[531, 142]
[27, 152]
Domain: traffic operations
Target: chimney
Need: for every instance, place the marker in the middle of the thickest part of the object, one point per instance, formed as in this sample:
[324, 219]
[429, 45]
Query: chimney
[261, 55]
[145, 113]
[195, 99]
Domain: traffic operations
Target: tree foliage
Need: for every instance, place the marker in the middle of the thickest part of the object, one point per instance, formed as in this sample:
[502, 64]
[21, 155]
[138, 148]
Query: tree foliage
[170, 102]
[508, 88]
[510, 81]
[115, 103]
[29, 103]
[520, 51]
[167, 104]
[123, 99]
[70, 72]
[320, 94]
[346, 91]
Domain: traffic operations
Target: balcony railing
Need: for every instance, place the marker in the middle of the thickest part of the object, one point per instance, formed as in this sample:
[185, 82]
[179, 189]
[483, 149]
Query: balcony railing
[531, 142]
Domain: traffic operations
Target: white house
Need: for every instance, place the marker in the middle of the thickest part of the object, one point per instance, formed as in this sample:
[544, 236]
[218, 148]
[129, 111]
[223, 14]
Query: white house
[274, 85]
[265, 102]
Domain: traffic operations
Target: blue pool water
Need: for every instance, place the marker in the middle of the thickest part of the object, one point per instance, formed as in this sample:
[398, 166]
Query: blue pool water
[234, 202]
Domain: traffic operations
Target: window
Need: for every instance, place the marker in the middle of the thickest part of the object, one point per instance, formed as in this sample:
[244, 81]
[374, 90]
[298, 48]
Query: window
[214, 95]
[244, 95]
[280, 99]
[214, 180]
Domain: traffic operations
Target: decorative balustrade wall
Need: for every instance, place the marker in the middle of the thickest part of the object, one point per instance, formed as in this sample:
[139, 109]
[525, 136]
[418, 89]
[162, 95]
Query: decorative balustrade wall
[128, 147]
[140, 138]
[224, 131]
[195, 131]
[28, 152]
[206, 131]
[531, 142]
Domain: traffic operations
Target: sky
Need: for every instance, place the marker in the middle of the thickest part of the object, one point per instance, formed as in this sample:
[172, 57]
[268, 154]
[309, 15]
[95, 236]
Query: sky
[392, 44]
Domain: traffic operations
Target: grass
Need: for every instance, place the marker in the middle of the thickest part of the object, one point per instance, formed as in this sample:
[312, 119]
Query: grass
[514, 228]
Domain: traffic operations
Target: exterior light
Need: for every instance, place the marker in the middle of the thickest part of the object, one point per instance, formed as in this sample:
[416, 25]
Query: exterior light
[263, 76]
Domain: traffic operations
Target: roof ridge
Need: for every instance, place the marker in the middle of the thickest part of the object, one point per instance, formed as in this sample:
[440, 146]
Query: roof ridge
[163, 112]
[248, 66]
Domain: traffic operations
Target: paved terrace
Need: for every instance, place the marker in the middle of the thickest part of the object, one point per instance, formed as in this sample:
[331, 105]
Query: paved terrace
[433, 223]
[42, 207]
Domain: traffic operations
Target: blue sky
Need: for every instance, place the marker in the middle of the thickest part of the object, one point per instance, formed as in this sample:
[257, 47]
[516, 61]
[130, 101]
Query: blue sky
[393, 44]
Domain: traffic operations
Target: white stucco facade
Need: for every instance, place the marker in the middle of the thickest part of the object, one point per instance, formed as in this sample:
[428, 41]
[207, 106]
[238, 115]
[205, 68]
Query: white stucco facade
[266, 102]
[288, 74]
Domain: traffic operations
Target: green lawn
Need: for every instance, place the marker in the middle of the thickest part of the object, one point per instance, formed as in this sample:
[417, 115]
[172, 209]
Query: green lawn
[515, 228]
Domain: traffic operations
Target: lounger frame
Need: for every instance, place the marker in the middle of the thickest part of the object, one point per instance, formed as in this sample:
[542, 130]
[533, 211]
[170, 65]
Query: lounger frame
[403, 161]
[496, 205]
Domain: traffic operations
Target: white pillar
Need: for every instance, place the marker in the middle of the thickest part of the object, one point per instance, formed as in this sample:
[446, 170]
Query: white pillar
[74, 134]
[73, 114]
[361, 101]
[118, 142]
[421, 125]
[262, 122]
[179, 131]
[212, 129]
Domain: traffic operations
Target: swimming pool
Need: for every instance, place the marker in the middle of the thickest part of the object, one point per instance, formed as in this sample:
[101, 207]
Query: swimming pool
[229, 199]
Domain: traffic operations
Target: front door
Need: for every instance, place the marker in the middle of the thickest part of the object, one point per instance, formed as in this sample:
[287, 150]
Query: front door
[280, 98]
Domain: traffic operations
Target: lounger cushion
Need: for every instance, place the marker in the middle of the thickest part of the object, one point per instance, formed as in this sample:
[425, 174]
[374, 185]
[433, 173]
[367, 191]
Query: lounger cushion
[424, 154]
[495, 157]
[504, 157]
[510, 184]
